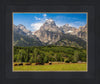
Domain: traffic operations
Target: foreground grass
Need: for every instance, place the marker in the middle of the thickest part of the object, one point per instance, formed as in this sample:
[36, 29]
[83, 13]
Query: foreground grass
[54, 67]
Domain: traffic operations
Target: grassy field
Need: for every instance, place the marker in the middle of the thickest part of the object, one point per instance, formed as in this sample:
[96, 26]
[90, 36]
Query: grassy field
[53, 67]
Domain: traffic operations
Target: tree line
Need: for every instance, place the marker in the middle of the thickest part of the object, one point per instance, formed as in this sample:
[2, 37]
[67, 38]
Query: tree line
[45, 54]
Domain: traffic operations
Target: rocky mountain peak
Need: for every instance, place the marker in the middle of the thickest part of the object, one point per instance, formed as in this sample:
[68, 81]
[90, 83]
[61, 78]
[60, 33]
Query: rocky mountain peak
[20, 26]
[21, 29]
[49, 22]
[68, 29]
[49, 25]
[49, 32]
[83, 28]
[67, 25]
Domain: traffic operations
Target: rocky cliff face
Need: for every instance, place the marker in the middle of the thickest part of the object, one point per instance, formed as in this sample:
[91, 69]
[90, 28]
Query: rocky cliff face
[82, 32]
[21, 29]
[83, 28]
[49, 32]
[24, 37]
[68, 29]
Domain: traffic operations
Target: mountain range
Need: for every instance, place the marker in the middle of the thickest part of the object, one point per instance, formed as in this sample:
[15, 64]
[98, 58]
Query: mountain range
[50, 34]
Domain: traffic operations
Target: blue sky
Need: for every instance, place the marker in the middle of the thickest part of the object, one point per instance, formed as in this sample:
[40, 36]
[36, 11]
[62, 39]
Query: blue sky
[33, 21]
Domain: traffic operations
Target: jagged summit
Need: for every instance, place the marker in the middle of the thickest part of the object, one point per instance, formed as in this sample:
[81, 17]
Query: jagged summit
[20, 25]
[49, 32]
[21, 29]
[49, 25]
[67, 25]
[50, 22]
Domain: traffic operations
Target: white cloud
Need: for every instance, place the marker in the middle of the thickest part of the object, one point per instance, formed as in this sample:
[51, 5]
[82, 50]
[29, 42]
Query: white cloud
[44, 15]
[46, 19]
[36, 26]
[36, 18]
[41, 19]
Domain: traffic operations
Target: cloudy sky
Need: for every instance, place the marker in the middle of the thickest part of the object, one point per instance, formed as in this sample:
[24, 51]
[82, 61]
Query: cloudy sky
[33, 21]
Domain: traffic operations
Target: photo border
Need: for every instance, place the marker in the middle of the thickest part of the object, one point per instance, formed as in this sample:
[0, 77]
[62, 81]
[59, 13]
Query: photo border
[49, 13]
[91, 77]
[52, 75]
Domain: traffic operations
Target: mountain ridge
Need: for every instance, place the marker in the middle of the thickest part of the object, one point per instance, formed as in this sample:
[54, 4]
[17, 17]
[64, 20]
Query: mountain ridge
[50, 34]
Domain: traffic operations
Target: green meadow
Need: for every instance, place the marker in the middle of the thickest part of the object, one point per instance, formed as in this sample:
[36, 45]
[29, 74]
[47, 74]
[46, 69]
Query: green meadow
[53, 67]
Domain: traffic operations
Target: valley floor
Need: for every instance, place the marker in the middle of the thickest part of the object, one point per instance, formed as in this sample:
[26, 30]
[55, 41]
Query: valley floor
[53, 67]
